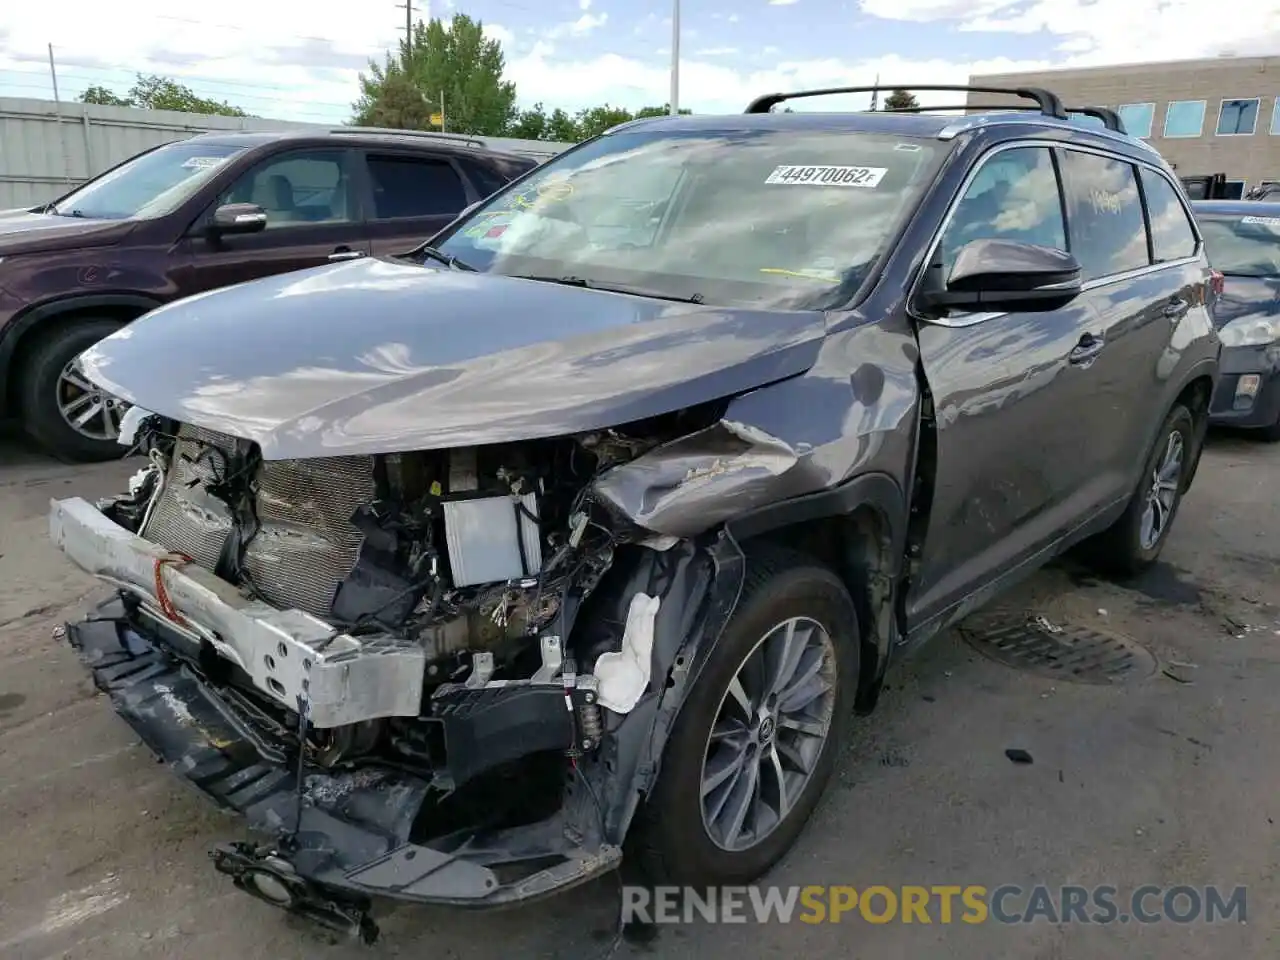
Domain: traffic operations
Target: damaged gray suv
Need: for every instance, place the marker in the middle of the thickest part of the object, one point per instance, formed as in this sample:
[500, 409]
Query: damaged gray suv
[590, 526]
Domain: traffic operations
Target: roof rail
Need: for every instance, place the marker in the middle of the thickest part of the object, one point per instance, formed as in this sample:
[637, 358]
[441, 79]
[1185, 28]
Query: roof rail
[1048, 102]
[1110, 119]
[424, 134]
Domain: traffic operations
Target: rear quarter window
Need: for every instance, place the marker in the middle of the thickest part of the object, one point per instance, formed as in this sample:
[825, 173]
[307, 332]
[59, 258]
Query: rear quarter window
[1104, 214]
[1172, 236]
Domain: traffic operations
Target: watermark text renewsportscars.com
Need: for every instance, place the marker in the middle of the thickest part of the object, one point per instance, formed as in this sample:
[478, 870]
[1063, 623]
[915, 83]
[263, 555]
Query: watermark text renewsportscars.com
[943, 904]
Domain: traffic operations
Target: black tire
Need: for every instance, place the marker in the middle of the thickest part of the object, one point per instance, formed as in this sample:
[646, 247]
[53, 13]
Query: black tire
[1119, 550]
[669, 840]
[38, 392]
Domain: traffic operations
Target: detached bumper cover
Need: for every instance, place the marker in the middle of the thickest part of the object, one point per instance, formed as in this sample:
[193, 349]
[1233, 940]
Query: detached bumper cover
[288, 654]
[352, 839]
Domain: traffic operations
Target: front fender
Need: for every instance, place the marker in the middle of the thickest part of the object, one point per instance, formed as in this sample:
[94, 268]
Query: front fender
[699, 584]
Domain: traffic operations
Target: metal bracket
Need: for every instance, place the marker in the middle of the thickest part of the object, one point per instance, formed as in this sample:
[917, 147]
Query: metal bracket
[552, 660]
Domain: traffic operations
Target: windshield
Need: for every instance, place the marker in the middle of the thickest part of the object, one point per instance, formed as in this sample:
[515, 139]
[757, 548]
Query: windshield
[150, 185]
[762, 218]
[1243, 246]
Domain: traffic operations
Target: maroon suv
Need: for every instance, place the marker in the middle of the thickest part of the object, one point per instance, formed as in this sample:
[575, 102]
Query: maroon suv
[198, 214]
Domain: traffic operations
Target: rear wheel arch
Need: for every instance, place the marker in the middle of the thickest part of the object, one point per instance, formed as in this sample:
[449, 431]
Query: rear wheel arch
[1196, 396]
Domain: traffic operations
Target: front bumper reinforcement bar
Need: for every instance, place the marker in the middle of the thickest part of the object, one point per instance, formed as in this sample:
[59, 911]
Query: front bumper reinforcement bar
[288, 654]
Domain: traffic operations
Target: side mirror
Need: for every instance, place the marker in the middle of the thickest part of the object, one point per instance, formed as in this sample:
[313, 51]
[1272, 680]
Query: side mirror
[1007, 276]
[239, 218]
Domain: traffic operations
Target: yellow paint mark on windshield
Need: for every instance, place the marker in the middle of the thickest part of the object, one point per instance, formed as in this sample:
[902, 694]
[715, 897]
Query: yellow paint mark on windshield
[827, 276]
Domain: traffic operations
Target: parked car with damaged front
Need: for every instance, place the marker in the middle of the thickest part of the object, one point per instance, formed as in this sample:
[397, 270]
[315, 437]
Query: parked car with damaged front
[590, 527]
[1243, 238]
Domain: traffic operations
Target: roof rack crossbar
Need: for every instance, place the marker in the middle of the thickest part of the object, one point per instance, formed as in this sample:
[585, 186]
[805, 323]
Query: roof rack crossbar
[1049, 103]
[1110, 119]
[424, 134]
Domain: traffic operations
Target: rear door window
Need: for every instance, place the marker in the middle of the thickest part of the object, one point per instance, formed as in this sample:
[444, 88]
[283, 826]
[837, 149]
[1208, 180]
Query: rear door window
[1104, 209]
[414, 187]
[1172, 235]
[486, 179]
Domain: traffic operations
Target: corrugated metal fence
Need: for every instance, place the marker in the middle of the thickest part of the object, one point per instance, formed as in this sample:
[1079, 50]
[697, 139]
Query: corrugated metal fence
[45, 151]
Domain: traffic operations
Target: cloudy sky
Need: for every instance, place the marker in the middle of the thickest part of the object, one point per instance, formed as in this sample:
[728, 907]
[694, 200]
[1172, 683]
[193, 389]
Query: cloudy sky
[299, 60]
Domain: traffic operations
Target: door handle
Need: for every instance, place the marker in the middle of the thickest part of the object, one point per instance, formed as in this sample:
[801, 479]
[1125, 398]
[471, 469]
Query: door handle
[1176, 308]
[1086, 351]
[346, 255]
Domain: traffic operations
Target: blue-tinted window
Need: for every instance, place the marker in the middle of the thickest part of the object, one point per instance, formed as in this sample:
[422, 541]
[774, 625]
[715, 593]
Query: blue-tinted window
[1085, 120]
[1275, 117]
[1138, 118]
[1184, 118]
[1238, 117]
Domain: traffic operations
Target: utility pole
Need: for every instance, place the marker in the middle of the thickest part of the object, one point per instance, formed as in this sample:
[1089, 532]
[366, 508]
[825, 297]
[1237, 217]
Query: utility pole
[675, 57]
[407, 6]
[57, 106]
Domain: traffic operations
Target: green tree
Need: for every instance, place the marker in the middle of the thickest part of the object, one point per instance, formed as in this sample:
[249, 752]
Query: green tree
[400, 104]
[103, 96]
[154, 92]
[531, 124]
[457, 64]
[562, 128]
[536, 124]
[596, 120]
[901, 100]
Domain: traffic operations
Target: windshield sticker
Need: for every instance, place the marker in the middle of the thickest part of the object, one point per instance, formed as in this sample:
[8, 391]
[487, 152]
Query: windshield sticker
[828, 176]
[1262, 221]
[489, 226]
[202, 163]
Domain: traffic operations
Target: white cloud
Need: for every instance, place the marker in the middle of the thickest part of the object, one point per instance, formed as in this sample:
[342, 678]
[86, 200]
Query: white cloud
[782, 3]
[713, 87]
[1109, 31]
[261, 57]
[580, 27]
[715, 51]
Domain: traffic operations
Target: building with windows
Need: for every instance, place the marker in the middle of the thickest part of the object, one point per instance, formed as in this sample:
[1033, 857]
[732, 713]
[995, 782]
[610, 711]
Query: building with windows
[1205, 116]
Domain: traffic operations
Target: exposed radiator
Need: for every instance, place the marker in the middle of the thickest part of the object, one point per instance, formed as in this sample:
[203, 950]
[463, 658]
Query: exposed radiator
[306, 545]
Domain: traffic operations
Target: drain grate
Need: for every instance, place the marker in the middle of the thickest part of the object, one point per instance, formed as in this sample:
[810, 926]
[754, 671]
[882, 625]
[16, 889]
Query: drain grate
[1062, 652]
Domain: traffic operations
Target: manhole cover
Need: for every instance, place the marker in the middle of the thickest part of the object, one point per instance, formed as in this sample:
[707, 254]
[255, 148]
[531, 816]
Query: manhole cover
[1060, 651]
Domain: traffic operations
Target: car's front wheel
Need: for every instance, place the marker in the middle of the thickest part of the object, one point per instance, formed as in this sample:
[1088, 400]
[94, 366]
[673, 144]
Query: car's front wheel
[67, 415]
[755, 744]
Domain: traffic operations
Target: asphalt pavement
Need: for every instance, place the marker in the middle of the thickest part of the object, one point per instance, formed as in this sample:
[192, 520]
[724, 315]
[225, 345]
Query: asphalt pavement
[1169, 778]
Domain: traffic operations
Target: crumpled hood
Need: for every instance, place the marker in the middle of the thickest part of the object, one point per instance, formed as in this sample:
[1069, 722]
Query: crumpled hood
[383, 356]
[24, 232]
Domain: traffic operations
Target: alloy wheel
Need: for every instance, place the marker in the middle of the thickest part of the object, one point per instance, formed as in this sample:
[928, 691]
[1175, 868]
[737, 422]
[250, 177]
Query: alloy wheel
[768, 734]
[1162, 493]
[85, 408]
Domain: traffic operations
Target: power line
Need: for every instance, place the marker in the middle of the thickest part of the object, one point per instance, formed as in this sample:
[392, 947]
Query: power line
[207, 82]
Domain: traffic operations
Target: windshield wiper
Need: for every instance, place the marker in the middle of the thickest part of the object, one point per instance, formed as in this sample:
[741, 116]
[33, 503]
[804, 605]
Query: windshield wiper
[450, 261]
[610, 287]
